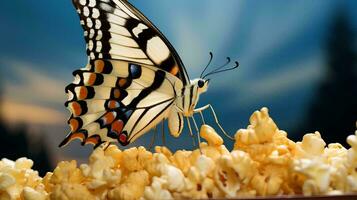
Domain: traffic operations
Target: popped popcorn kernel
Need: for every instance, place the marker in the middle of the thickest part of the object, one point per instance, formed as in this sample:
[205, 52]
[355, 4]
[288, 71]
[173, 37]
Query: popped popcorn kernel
[66, 172]
[226, 178]
[157, 190]
[312, 145]
[68, 191]
[210, 135]
[16, 176]
[133, 186]
[135, 158]
[115, 153]
[263, 162]
[261, 129]
[32, 194]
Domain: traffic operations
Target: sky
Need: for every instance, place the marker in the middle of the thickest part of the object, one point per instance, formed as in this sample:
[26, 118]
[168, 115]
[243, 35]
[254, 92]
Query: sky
[279, 44]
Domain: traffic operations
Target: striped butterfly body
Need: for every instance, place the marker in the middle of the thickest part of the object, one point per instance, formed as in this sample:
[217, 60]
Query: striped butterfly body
[134, 78]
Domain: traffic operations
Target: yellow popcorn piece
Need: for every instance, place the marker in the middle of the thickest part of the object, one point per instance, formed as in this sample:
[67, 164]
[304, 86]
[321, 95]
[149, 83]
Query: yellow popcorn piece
[312, 145]
[135, 159]
[32, 194]
[174, 177]
[318, 175]
[226, 177]
[181, 160]
[132, 187]
[157, 190]
[115, 153]
[68, 191]
[66, 172]
[199, 180]
[351, 162]
[210, 135]
[19, 181]
[261, 130]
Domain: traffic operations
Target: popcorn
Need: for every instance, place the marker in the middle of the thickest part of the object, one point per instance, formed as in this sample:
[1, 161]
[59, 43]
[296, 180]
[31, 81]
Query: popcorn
[32, 194]
[263, 162]
[174, 177]
[351, 162]
[101, 170]
[18, 180]
[157, 190]
[67, 191]
[209, 134]
[261, 130]
[135, 159]
[66, 172]
[312, 145]
[226, 178]
[132, 188]
[317, 173]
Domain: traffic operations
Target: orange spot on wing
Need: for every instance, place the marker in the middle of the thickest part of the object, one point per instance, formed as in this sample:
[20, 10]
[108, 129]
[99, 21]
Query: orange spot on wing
[99, 66]
[76, 108]
[92, 140]
[174, 70]
[83, 92]
[73, 123]
[92, 78]
[112, 104]
[122, 82]
[76, 136]
[116, 93]
[109, 118]
[117, 126]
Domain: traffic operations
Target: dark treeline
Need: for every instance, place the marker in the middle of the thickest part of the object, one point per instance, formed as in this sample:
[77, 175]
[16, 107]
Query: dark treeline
[15, 143]
[333, 110]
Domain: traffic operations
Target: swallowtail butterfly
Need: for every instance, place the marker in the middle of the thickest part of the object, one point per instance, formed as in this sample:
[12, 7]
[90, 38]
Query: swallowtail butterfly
[133, 80]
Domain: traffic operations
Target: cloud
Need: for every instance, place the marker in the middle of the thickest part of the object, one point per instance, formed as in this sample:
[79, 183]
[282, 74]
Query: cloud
[196, 32]
[27, 84]
[300, 75]
[15, 112]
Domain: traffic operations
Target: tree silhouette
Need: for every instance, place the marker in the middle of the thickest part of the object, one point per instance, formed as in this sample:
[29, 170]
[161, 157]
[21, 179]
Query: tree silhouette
[14, 144]
[334, 109]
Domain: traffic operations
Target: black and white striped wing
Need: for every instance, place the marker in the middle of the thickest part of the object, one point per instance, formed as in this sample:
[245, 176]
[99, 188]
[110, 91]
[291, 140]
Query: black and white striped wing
[117, 101]
[114, 29]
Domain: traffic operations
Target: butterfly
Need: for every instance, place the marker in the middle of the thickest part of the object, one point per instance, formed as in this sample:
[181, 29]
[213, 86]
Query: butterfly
[134, 78]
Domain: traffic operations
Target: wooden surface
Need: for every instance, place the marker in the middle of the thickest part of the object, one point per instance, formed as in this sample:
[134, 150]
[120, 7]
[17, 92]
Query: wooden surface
[332, 197]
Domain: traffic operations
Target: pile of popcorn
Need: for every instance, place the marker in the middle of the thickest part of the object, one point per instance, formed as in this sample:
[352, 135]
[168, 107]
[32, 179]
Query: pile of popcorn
[264, 162]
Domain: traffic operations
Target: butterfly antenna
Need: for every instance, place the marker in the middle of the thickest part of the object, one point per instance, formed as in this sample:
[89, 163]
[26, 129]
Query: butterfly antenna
[209, 62]
[219, 70]
[225, 64]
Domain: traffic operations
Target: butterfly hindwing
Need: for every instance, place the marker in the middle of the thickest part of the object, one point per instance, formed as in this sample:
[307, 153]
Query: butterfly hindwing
[114, 29]
[130, 101]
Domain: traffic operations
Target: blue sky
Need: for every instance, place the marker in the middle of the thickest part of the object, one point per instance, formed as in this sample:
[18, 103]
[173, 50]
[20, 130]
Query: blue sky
[280, 45]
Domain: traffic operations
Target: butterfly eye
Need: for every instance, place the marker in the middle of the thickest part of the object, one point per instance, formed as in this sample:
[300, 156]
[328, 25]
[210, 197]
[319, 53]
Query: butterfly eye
[201, 83]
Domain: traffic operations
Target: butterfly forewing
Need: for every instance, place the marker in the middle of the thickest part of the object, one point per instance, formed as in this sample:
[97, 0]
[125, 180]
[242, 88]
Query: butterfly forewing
[114, 29]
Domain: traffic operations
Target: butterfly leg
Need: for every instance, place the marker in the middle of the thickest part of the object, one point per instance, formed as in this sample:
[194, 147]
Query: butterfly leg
[201, 115]
[163, 133]
[153, 139]
[190, 130]
[197, 132]
[209, 106]
[105, 145]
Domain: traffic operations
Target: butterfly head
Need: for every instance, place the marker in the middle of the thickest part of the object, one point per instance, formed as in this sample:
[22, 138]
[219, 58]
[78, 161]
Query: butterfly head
[201, 84]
